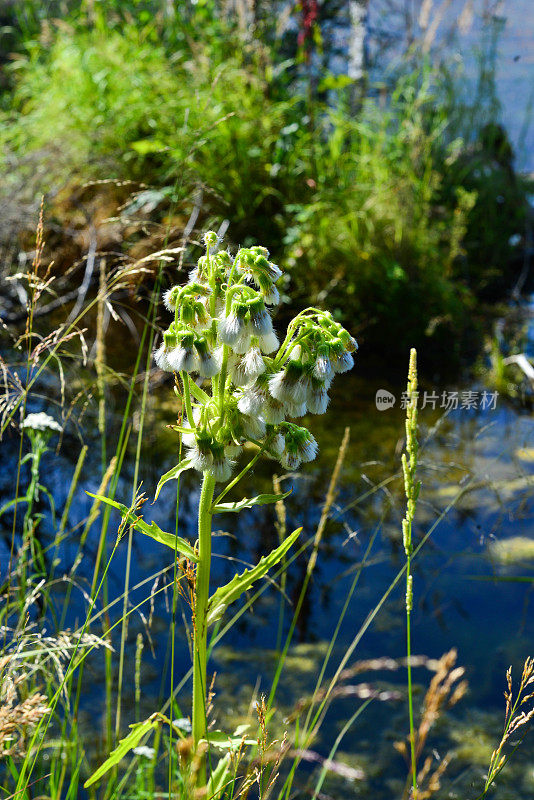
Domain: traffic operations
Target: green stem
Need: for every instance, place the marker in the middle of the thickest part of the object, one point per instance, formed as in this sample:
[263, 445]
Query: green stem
[411, 489]
[229, 291]
[187, 399]
[37, 739]
[173, 626]
[410, 693]
[200, 626]
[293, 325]
[280, 359]
[222, 381]
[28, 530]
[137, 463]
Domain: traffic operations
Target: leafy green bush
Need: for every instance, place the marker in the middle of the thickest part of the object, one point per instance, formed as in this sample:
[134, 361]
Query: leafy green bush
[375, 231]
[101, 100]
[386, 208]
[112, 103]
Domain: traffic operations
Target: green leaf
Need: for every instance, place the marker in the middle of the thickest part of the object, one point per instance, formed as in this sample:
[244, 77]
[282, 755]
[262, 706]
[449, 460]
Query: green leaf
[198, 393]
[50, 500]
[12, 503]
[248, 502]
[225, 741]
[146, 146]
[172, 474]
[125, 745]
[219, 776]
[176, 543]
[225, 595]
[331, 81]
[224, 773]
[181, 429]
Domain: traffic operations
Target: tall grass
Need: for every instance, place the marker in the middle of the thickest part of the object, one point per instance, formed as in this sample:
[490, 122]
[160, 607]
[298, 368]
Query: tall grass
[411, 489]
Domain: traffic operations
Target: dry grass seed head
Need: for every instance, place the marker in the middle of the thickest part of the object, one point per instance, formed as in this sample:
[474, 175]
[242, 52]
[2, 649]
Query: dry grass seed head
[445, 690]
[17, 715]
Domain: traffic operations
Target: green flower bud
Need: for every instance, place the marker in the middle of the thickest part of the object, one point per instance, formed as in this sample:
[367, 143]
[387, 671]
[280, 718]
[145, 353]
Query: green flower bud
[169, 339]
[210, 238]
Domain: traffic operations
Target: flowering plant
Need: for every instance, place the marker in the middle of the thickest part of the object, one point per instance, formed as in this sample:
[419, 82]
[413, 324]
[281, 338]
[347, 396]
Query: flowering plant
[222, 330]
[238, 384]
[39, 428]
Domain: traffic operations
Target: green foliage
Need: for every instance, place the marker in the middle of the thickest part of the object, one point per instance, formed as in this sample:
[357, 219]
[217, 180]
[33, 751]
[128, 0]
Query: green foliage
[226, 742]
[483, 166]
[139, 730]
[176, 543]
[376, 224]
[94, 98]
[410, 204]
[249, 502]
[114, 102]
[172, 474]
[219, 776]
[496, 223]
[239, 584]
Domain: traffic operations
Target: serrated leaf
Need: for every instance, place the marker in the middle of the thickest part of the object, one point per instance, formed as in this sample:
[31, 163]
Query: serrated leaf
[176, 543]
[248, 502]
[139, 729]
[225, 595]
[172, 474]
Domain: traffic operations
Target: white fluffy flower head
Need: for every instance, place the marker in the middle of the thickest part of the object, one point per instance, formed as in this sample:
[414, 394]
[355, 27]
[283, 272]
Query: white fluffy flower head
[41, 422]
[237, 382]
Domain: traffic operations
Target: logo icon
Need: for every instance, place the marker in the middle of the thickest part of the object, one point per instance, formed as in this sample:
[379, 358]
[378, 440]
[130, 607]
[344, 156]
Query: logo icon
[384, 400]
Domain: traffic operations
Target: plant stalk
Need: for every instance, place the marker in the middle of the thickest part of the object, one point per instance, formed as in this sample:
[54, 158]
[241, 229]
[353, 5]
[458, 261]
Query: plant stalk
[413, 757]
[200, 625]
[411, 489]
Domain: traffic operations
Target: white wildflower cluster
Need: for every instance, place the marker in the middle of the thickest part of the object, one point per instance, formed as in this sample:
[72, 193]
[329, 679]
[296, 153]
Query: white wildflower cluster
[144, 752]
[223, 331]
[41, 422]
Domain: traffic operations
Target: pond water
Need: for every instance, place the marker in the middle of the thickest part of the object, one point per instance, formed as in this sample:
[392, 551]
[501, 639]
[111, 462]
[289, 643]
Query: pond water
[473, 577]
[464, 32]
